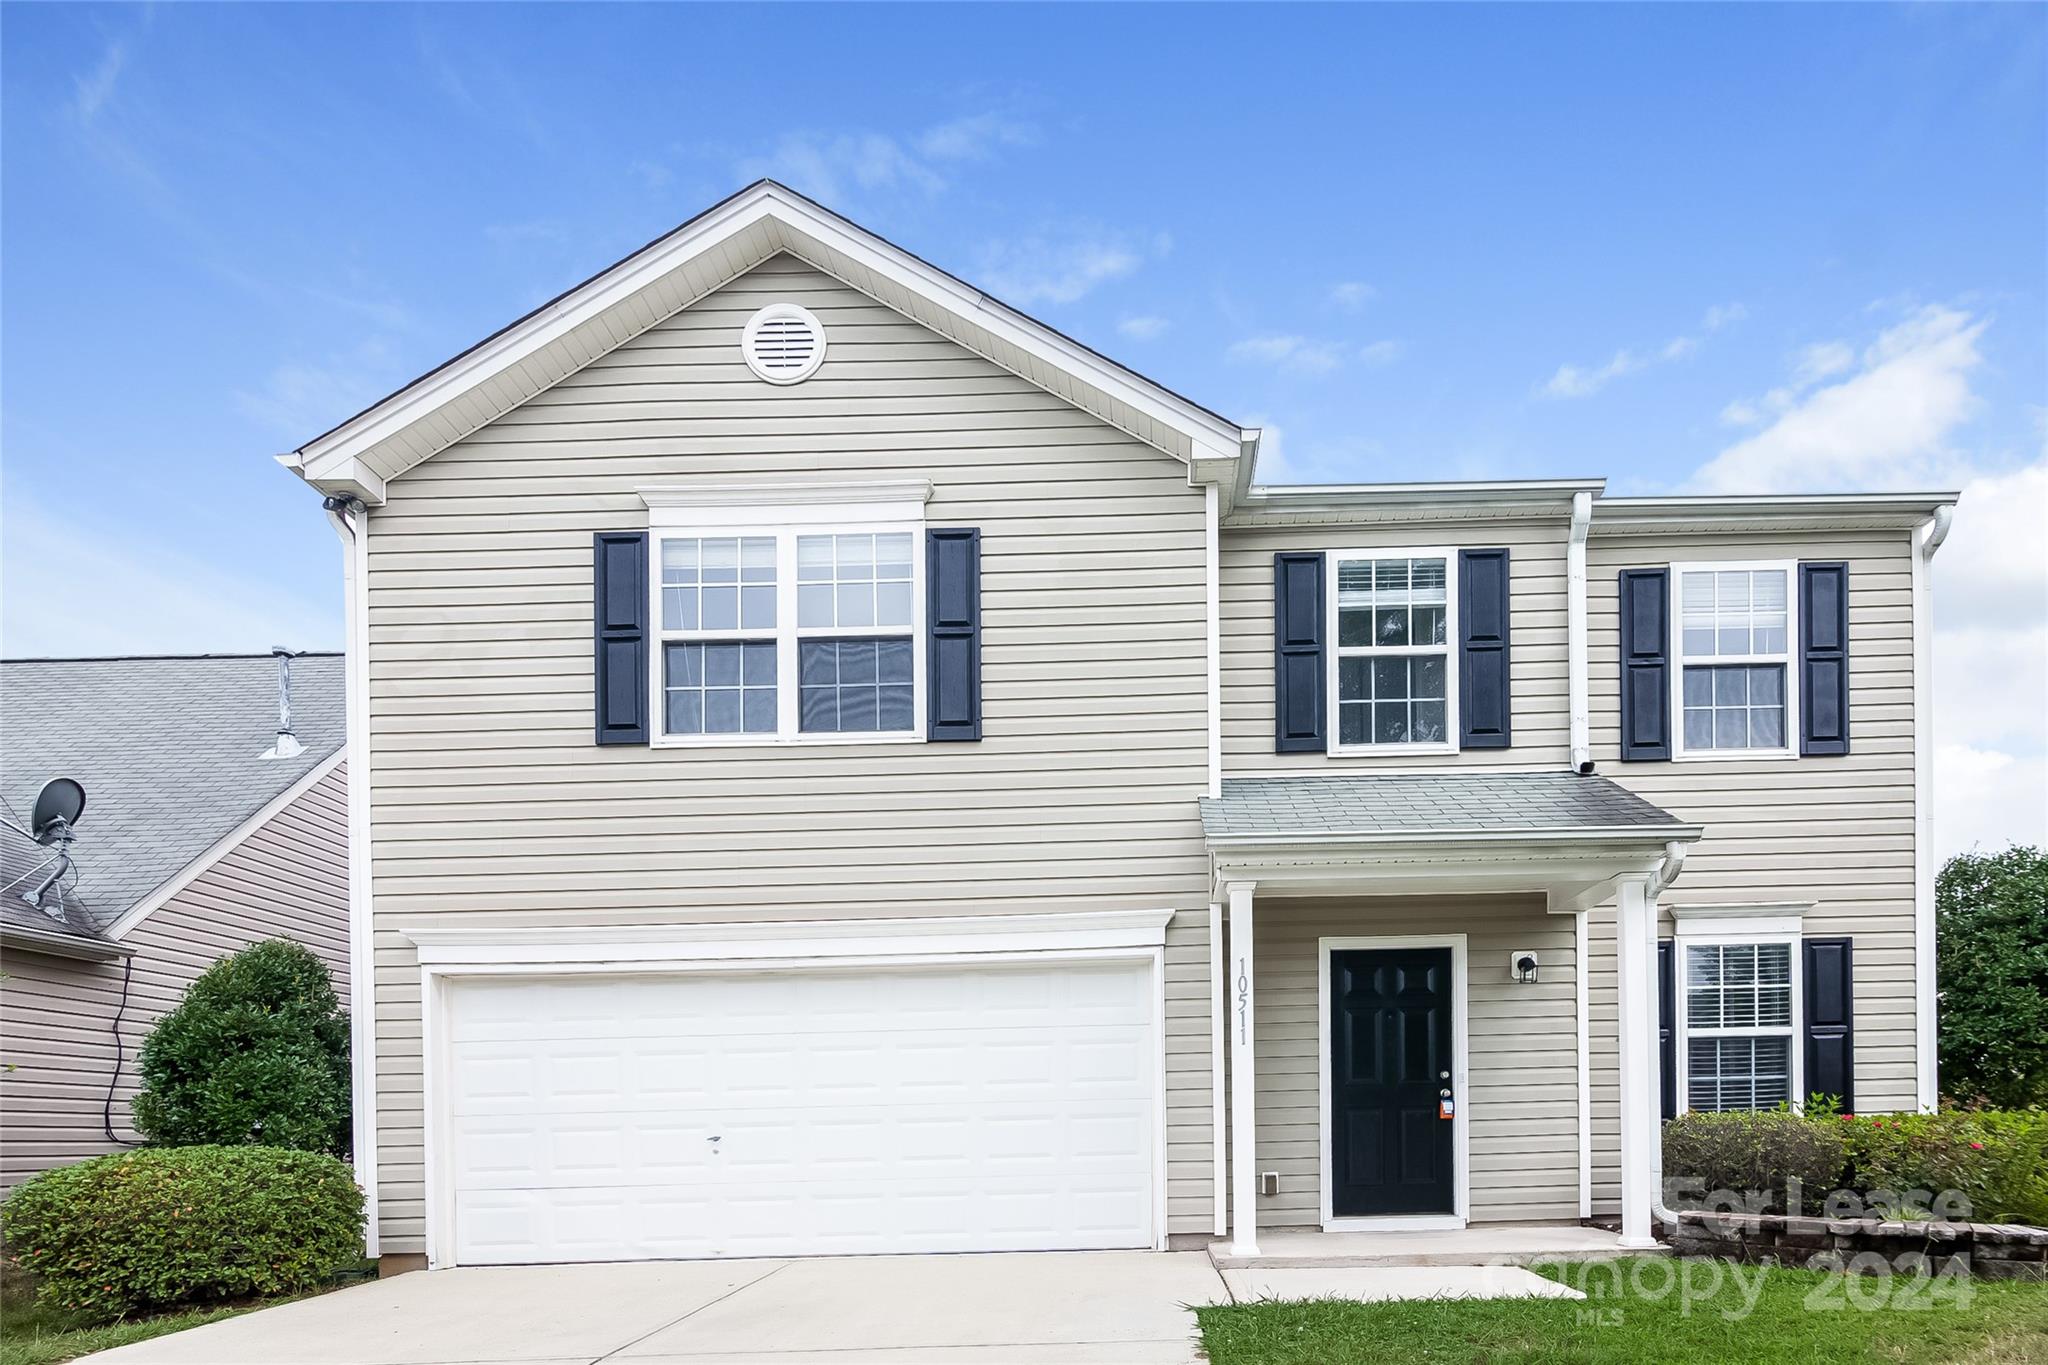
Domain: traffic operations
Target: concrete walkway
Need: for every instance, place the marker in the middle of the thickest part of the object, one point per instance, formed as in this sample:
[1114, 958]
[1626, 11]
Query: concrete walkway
[1058, 1308]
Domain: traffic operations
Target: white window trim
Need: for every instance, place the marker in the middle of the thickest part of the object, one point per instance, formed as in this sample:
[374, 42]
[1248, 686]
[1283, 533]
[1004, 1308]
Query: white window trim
[1702, 926]
[1675, 614]
[1461, 1104]
[784, 525]
[1449, 745]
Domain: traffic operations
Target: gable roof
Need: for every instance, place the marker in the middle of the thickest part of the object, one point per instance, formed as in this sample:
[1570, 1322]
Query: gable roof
[511, 365]
[169, 751]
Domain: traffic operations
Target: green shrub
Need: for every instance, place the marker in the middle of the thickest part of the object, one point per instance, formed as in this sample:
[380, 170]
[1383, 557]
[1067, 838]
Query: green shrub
[257, 1052]
[1991, 913]
[1752, 1154]
[1998, 1160]
[152, 1229]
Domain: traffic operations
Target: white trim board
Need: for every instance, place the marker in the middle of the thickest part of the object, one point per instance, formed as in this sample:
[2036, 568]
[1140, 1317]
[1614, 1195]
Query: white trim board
[223, 846]
[1461, 1070]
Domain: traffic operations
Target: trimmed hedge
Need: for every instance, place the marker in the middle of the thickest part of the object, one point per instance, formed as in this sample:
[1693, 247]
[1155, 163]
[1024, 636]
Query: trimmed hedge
[157, 1228]
[1752, 1153]
[256, 1052]
[1899, 1165]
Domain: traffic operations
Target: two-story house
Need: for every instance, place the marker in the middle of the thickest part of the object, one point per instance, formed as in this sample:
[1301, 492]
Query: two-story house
[846, 768]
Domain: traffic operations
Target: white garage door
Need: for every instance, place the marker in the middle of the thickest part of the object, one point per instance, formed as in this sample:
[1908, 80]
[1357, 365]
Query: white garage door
[705, 1114]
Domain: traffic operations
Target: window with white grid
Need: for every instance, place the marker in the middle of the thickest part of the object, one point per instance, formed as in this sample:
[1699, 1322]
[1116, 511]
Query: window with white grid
[1734, 658]
[1740, 1016]
[789, 633]
[1396, 672]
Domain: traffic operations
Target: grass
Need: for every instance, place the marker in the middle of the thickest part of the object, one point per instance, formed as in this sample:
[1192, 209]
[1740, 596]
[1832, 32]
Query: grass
[34, 1333]
[1797, 1317]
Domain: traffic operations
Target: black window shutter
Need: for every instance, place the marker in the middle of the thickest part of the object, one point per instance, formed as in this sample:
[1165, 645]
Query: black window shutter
[1823, 658]
[1667, 1028]
[953, 633]
[620, 614]
[1298, 688]
[1645, 665]
[1483, 705]
[1830, 1023]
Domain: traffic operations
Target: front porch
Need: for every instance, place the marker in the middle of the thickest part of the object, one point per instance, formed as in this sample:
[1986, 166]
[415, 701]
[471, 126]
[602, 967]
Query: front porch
[1403, 993]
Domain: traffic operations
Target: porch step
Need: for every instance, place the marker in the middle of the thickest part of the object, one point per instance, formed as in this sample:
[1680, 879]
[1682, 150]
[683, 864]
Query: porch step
[1478, 1245]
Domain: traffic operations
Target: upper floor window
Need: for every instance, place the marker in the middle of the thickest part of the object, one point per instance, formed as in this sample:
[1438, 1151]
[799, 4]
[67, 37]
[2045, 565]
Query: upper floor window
[1396, 672]
[788, 633]
[1734, 642]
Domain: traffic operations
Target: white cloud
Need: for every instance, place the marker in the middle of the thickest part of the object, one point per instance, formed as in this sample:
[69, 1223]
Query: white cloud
[1573, 381]
[1583, 381]
[1890, 420]
[834, 166]
[1886, 424]
[301, 399]
[974, 138]
[1351, 295]
[91, 92]
[1378, 353]
[1293, 354]
[1143, 328]
[122, 595]
[1041, 269]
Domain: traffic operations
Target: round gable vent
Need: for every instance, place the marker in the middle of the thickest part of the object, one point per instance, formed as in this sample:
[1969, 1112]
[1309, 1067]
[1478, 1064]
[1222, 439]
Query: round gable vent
[783, 343]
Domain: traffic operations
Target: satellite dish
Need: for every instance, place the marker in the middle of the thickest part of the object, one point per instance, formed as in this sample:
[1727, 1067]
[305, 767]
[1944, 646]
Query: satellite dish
[58, 806]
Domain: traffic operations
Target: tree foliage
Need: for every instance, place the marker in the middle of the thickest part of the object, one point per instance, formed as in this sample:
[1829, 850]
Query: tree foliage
[255, 1054]
[1992, 917]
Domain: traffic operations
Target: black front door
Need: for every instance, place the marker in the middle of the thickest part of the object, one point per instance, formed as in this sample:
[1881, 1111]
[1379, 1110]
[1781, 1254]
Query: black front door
[1390, 1075]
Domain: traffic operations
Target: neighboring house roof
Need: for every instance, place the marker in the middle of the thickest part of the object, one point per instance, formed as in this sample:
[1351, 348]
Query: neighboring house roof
[1429, 804]
[170, 752]
[763, 220]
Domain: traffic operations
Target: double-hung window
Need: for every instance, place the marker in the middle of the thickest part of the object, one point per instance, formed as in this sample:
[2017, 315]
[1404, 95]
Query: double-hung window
[808, 631]
[1395, 671]
[1736, 624]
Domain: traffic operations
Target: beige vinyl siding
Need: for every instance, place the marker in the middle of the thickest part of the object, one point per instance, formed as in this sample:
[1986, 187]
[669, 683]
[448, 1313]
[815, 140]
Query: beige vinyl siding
[1540, 707]
[1837, 832]
[287, 879]
[492, 802]
[1522, 1052]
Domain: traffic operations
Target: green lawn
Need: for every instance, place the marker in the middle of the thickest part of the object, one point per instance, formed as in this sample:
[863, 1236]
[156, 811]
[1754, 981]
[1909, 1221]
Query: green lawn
[33, 1333]
[1797, 1317]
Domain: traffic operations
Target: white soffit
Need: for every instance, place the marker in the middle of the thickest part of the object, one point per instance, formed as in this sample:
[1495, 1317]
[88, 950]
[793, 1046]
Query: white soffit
[709, 251]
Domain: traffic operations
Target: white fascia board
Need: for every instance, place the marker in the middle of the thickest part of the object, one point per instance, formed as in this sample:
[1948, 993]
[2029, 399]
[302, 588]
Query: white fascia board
[222, 846]
[329, 456]
[1748, 512]
[1503, 500]
[1343, 841]
[759, 940]
[23, 939]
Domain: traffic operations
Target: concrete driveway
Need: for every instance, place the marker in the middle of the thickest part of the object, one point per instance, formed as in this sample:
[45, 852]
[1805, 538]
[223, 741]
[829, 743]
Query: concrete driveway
[1043, 1308]
[1073, 1308]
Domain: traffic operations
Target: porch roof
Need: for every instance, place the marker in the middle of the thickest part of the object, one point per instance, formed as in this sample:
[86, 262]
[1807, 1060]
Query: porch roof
[1442, 804]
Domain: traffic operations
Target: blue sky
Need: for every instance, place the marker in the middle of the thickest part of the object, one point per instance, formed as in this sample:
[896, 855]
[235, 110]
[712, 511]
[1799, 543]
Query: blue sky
[1686, 247]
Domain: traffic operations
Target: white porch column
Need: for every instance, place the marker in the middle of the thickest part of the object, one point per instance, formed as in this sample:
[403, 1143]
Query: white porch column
[1244, 1169]
[1636, 980]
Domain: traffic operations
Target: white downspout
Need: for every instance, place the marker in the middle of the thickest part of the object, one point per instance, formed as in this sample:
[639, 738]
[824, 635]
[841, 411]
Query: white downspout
[1575, 633]
[350, 521]
[1926, 1056]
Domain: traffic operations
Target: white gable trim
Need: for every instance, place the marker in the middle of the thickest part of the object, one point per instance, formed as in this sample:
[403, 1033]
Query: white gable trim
[698, 257]
[222, 846]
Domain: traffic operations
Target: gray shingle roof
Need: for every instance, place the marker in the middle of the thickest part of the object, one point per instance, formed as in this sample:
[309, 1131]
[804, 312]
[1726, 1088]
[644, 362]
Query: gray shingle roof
[169, 751]
[1434, 803]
